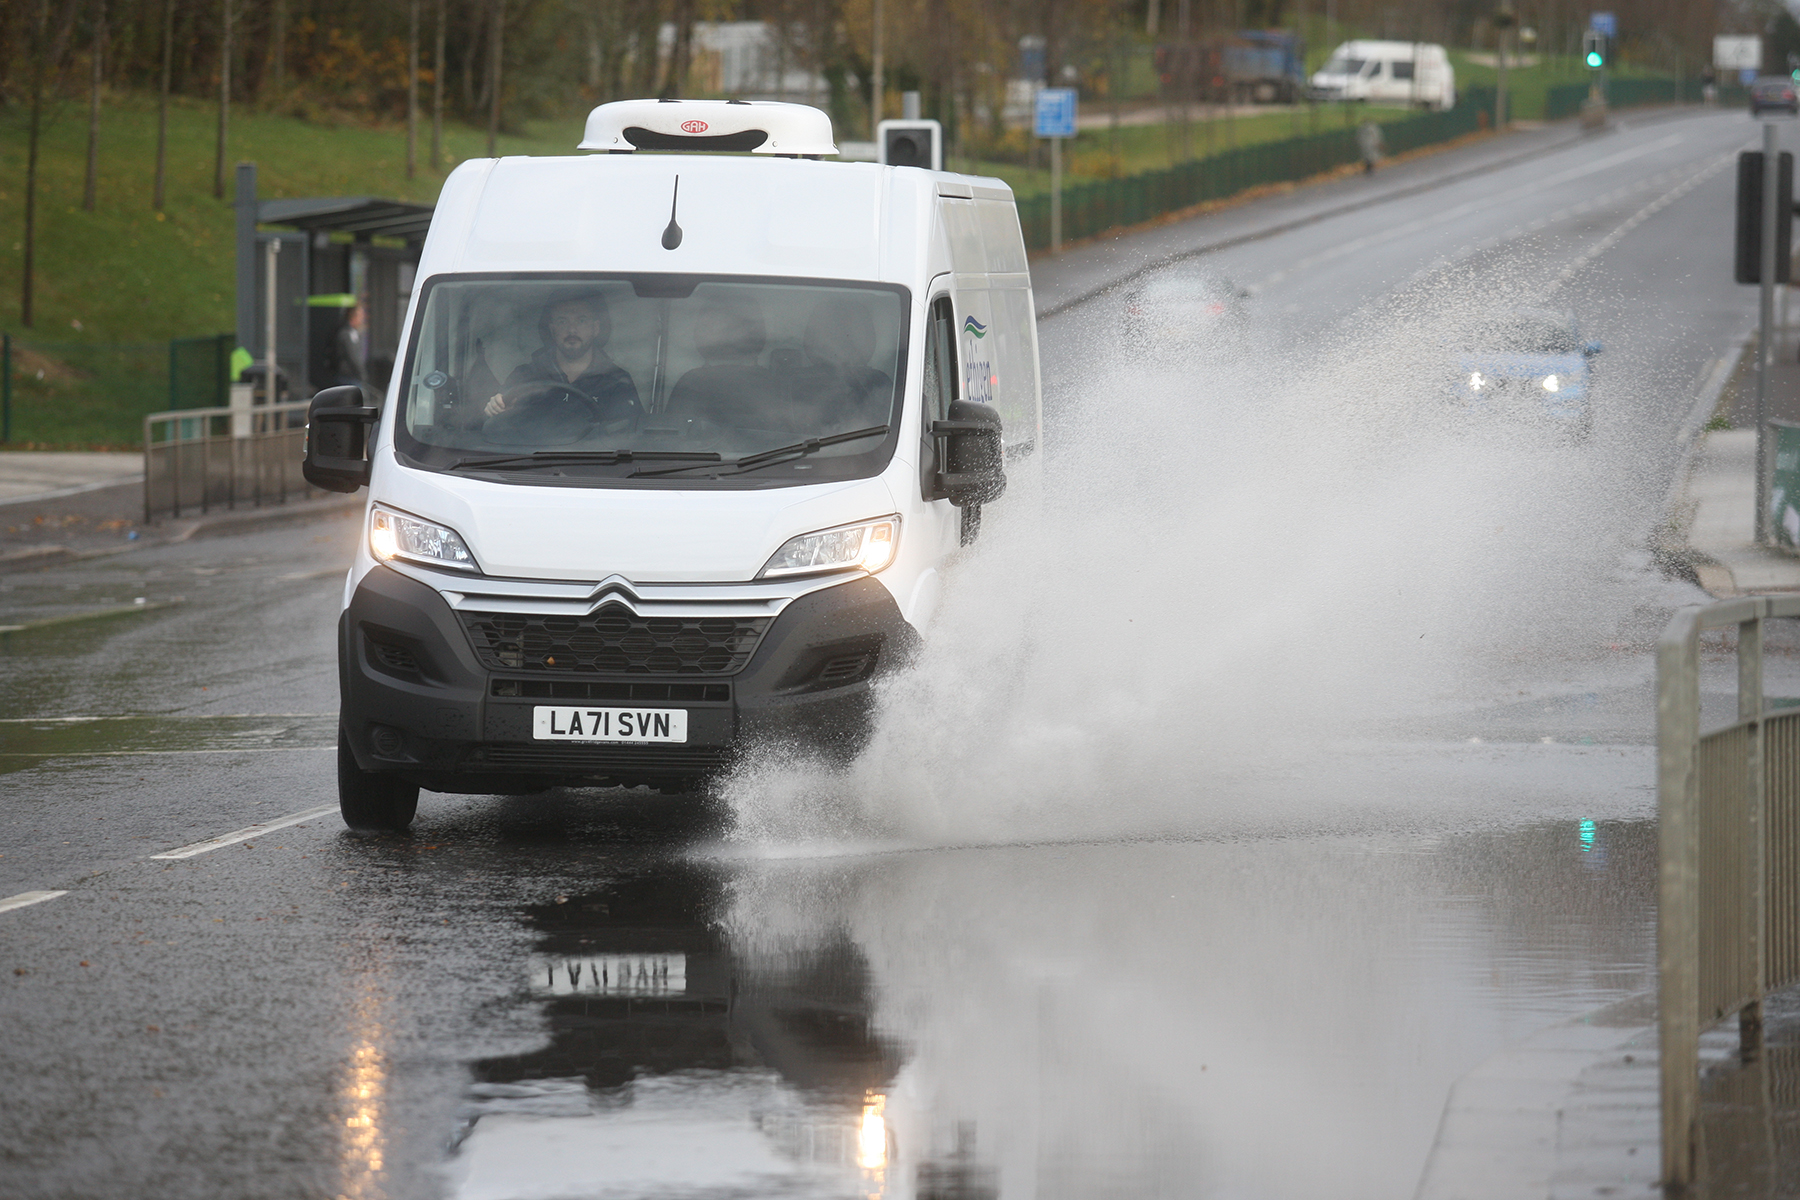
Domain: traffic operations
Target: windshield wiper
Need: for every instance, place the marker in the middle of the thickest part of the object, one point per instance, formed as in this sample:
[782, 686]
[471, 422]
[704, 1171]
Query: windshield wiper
[541, 458]
[751, 462]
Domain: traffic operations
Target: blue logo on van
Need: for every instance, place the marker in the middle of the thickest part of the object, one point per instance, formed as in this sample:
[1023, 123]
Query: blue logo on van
[971, 325]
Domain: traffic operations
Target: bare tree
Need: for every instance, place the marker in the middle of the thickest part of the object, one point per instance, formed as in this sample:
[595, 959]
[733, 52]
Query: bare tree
[437, 94]
[412, 89]
[46, 63]
[494, 75]
[91, 184]
[224, 98]
[162, 103]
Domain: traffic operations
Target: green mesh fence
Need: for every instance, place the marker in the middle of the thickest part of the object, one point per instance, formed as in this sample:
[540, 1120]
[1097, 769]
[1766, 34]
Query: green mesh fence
[1092, 206]
[97, 393]
[1566, 99]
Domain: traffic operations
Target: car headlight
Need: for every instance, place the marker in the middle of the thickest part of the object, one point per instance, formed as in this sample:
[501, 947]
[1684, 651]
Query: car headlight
[395, 535]
[1551, 384]
[1476, 382]
[868, 545]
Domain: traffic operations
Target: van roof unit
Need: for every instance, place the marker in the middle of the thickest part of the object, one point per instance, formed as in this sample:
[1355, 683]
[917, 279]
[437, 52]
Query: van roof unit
[691, 126]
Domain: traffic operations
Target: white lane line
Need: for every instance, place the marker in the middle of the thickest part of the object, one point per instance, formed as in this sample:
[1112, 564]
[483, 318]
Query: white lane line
[26, 899]
[246, 833]
[155, 753]
[165, 717]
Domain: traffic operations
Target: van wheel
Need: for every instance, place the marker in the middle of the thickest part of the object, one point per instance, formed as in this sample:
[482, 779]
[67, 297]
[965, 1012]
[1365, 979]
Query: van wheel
[372, 800]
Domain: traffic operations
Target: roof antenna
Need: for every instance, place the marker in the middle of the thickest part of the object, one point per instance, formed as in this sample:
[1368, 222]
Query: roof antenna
[672, 235]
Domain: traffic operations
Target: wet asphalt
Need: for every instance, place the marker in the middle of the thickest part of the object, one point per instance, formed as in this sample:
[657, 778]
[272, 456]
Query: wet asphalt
[611, 993]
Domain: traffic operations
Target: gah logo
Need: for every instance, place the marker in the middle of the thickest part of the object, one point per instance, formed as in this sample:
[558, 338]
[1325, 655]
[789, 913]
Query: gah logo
[693, 127]
[971, 325]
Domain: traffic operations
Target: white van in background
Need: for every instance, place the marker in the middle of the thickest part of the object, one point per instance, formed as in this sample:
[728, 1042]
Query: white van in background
[674, 456]
[1417, 74]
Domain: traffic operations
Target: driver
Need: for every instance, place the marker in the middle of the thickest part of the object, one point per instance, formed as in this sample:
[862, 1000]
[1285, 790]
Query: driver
[574, 330]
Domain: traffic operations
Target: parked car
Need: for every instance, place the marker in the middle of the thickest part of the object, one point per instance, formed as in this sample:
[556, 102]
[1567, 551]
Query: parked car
[1529, 364]
[1774, 92]
[1176, 308]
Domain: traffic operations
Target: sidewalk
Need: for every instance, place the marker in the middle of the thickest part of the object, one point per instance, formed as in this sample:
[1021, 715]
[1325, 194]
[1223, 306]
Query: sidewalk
[56, 505]
[1715, 511]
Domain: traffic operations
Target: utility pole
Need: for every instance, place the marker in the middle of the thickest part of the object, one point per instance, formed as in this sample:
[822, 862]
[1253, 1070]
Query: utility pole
[1771, 185]
[437, 94]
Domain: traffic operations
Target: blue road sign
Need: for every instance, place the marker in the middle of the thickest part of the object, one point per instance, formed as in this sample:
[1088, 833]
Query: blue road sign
[1603, 22]
[1055, 113]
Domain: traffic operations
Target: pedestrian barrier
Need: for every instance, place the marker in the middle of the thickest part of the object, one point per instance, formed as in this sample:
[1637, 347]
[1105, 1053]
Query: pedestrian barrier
[200, 459]
[1728, 901]
[1566, 99]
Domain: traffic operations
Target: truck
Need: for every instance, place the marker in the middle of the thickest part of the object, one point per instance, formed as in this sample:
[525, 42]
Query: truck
[683, 437]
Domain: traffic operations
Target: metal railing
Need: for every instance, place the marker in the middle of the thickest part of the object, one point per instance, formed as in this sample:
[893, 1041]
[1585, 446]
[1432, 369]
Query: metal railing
[1728, 898]
[200, 459]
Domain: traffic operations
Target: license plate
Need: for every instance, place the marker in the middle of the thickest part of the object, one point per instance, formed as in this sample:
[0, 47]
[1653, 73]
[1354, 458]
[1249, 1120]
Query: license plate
[557, 724]
[610, 974]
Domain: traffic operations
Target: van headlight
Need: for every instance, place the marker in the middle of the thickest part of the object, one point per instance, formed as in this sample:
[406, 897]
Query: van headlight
[868, 545]
[395, 535]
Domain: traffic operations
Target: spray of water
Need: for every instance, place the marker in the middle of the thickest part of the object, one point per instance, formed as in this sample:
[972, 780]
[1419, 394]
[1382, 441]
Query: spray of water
[1233, 563]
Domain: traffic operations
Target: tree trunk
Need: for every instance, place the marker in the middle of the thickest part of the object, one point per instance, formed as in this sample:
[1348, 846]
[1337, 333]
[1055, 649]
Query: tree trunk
[412, 89]
[494, 75]
[45, 61]
[224, 98]
[91, 184]
[162, 103]
[278, 50]
[679, 53]
[437, 94]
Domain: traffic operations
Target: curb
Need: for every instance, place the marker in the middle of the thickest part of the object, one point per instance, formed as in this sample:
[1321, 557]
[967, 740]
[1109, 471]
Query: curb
[176, 532]
[1668, 539]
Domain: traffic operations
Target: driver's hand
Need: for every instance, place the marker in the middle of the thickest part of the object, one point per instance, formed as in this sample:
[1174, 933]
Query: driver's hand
[495, 405]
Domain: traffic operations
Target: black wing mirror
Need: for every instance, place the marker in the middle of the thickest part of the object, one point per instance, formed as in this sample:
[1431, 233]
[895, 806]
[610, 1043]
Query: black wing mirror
[973, 463]
[1591, 349]
[337, 437]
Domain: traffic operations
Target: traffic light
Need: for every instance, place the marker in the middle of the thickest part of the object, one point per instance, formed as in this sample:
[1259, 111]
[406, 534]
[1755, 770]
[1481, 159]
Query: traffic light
[910, 144]
[1593, 48]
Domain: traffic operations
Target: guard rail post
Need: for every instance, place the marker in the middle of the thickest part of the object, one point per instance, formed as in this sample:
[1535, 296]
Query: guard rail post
[1677, 928]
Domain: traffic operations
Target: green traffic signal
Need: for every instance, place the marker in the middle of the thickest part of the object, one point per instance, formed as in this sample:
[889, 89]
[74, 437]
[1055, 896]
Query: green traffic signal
[1594, 60]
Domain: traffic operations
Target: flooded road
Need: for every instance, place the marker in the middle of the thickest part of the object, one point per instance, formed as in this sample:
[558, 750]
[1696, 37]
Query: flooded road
[1217, 906]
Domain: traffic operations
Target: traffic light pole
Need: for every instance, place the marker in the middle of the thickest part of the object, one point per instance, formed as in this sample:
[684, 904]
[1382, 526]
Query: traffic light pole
[1766, 310]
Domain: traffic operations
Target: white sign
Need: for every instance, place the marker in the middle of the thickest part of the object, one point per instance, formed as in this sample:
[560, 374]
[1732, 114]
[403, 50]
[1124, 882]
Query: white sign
[1737, 53]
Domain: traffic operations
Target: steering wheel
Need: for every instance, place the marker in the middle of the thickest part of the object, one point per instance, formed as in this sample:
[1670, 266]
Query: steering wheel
[538, 393]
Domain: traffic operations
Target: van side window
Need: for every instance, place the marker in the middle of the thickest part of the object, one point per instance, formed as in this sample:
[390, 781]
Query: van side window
[1401, 70]
[938, 387]
[940, 360]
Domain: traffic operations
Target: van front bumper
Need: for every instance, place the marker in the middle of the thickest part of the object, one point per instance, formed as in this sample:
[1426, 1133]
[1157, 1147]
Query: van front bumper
[431, 693]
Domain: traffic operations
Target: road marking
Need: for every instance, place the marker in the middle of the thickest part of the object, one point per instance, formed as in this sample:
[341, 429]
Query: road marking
[246, 833]
[154, 753]
[26, 899]
[167, 717]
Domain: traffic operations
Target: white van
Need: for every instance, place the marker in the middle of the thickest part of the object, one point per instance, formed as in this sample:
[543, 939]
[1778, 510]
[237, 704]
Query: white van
[676, 452]
[1418, 74]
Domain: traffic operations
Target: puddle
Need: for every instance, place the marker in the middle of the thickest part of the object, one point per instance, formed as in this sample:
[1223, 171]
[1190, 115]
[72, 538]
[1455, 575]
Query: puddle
[28, 741]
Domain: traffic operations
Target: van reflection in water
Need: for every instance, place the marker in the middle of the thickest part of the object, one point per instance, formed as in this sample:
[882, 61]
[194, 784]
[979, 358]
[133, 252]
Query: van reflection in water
[673, 1067]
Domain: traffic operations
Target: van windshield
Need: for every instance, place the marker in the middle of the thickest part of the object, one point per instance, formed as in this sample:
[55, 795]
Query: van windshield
[1344, 66]
[654, 380]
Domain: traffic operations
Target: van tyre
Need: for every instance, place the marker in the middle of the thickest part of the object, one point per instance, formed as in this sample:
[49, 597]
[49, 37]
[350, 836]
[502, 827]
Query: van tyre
[373, 801]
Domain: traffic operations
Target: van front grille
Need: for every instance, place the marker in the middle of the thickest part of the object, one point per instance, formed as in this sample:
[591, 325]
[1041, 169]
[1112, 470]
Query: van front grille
[614, 639]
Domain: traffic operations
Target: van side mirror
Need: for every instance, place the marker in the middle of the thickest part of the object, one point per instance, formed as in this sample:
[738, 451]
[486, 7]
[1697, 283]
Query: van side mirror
[973, 465]
[337, 436]
[1592, 348]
